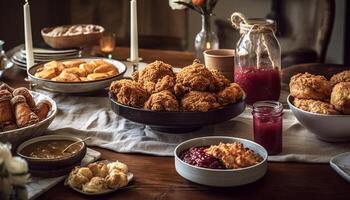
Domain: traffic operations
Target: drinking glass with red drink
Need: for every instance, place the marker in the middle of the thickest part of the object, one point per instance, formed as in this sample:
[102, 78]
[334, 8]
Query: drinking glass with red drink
[267, 124]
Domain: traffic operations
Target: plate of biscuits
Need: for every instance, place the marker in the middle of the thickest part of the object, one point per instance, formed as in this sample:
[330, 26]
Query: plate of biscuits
[321, 105]
[76, 75]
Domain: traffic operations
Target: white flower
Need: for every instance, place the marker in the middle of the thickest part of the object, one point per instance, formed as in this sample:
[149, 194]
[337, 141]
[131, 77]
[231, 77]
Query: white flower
[5, 152]
[176, 6]
[16, 165]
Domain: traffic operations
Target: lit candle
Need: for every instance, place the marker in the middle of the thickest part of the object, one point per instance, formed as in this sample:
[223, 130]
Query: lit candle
[134, 46]
[28, 35]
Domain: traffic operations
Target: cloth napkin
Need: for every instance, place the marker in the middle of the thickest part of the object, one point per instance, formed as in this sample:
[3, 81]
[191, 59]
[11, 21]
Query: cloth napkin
[83, 116]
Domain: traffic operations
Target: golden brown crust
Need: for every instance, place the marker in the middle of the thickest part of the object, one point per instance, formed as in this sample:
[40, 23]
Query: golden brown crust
[230, 94]
[162, 101]
[220, 80]
[315, 106]
[23, 113]
[42, 109]
[25, 92]
[340, 97]
[129, 93]
[341, 77]
[199, 101]
[308, 86]
[4, 86]
[6, 107]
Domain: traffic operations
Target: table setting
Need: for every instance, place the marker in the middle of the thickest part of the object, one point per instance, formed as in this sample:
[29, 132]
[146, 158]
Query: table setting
[95, 120]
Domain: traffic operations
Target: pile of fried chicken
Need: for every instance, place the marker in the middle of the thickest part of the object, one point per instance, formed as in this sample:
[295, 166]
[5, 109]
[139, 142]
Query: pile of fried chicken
[159, 88]
[314, 93]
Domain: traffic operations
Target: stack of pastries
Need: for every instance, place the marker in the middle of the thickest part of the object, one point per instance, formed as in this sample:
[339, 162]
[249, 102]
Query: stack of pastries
[159, 88]
[18, 108]
[98, 177]
[314, 93]
[76, 70]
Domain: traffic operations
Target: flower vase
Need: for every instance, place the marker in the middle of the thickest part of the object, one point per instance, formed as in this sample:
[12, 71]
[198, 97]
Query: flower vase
[206, 38]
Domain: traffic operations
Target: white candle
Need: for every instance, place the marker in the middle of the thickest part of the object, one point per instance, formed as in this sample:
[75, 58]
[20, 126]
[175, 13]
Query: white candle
[28, 35]
[134, 46]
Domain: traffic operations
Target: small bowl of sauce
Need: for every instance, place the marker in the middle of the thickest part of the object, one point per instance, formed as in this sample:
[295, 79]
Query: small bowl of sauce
[45, 154]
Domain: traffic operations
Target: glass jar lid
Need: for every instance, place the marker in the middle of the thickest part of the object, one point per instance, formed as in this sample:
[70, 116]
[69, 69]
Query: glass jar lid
[257, 25]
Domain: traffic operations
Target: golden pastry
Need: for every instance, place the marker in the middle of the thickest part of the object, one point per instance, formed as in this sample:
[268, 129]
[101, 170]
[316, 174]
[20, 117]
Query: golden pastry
[4, 86]
[47, 74]
[99, 62]
[6, 112]
[88, 67]
[105, 68]
[95, 185]
[77, 71]
[42, 109]
[83, 79]
[230, 94]
[199, 101]
[73, 63]
[119, 166]
[116, 179]
[66, 77]
[58, 66]
[162, 101]
[99, 169]
[340, 97]
[24, 115]
[315, 106]
[97, 76]
[308, 86]
[29, 98]
[79, 176]
[341, 77]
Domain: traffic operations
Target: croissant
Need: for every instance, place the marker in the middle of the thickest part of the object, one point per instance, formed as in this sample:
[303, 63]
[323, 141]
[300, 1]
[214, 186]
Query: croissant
[25, 92]
[24, 115]
[43, 109]
[6, 113]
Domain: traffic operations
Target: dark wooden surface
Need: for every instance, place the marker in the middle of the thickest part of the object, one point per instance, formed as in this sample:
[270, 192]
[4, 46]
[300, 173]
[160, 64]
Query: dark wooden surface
[156, 178]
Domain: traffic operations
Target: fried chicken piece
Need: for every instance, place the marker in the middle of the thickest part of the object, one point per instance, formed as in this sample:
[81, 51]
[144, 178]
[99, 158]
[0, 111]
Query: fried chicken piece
[162, 101]
[129, 92]
[220, 80]
[154, 73]
[315, 106]
[308, 86]
[340, 97]
[230, 94]
[341, 77]
[194, 77]
[199, 101]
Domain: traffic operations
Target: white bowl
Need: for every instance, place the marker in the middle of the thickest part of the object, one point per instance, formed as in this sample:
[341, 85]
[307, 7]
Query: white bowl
[330, 128]
[220, 177]
[77, 87]
[17, 136]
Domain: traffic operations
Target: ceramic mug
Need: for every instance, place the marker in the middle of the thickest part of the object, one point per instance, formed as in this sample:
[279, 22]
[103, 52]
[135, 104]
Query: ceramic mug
[222, 60]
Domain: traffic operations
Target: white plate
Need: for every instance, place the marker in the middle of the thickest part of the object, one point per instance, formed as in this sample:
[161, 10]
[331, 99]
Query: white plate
[341, 164]
[77, 87]
[51, 51]
[220, 177]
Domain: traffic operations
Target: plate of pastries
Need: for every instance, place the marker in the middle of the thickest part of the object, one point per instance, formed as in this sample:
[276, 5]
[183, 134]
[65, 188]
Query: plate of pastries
[100, 177]
[72, 36]
[322, 105]
[177, 102]
[76, 75]
[23, 113]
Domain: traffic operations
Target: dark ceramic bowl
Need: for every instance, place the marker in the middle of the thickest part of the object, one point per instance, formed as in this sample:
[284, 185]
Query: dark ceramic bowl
[177, 122]
[52, 167]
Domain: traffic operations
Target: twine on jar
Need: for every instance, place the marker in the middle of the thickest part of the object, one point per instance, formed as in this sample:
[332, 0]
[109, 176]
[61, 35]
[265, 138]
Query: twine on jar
[237, 19]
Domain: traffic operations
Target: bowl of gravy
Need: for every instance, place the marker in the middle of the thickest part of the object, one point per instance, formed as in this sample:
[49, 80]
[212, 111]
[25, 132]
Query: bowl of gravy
[45, 154]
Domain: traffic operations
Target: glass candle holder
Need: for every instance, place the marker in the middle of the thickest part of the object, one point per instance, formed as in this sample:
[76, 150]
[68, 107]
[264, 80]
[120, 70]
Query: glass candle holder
[267, 123]
[107, 44]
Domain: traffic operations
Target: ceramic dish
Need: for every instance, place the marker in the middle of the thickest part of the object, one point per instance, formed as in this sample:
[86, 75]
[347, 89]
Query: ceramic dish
[330, 128]
[17, 136]
[341, 164]
[177, 122]
[71, 41]
[77, 87]
[220, 177]
[52, 167]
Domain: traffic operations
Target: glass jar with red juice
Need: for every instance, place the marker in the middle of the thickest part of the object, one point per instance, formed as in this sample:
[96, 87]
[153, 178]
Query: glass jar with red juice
[258, 61]
[267, 125]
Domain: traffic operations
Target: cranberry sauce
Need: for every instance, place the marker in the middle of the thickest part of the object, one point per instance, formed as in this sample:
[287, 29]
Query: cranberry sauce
[259, 84]
[197, 157]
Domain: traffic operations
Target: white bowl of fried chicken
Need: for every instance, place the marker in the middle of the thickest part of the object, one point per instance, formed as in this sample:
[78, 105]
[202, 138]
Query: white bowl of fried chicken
[322, 106]
[177, 102]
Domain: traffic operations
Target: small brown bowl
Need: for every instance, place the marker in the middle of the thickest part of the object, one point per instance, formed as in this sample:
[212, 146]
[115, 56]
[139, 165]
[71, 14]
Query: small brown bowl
[52, 167]
[72, 41]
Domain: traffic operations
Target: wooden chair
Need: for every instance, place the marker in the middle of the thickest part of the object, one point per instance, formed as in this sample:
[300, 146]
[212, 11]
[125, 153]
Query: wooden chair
[304, 29]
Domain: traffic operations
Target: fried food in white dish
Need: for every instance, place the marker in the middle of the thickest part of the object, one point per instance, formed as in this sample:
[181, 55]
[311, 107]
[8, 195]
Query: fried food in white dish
[340, 97]
[341, 77]
[99, 169]
[315, 106]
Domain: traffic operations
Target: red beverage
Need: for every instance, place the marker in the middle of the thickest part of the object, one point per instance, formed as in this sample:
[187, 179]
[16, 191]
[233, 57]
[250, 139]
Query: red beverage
[267, 123]
[259, 84]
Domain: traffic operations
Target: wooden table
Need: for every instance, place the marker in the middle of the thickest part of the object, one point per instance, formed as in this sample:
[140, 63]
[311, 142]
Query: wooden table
[156, 178]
